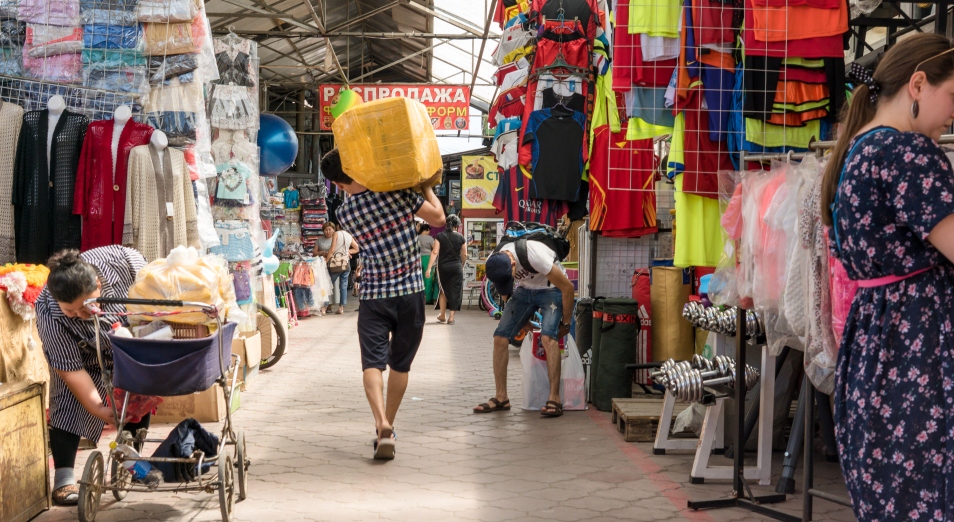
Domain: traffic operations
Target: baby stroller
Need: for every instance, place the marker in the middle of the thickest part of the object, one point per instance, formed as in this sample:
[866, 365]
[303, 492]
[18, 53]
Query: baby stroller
[163, 367]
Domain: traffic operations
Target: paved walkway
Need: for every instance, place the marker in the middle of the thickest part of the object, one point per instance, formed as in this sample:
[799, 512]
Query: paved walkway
[309, 431]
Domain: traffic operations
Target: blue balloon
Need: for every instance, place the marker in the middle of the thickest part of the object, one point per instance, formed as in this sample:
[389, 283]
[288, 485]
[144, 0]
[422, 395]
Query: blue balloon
[279, 145]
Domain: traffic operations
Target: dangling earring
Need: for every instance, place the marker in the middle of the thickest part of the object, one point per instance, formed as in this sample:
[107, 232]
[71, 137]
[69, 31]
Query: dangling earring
[915, 109]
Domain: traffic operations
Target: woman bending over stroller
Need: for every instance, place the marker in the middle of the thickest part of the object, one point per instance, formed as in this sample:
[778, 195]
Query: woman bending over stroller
[77, 393]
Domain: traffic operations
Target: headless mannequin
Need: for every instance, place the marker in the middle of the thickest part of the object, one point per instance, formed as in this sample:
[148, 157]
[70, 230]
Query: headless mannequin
[55, 106]
[159, 142]
[120, 117]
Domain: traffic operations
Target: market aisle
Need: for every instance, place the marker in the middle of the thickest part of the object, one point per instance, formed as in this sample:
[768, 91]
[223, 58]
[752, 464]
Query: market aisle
[309, 433]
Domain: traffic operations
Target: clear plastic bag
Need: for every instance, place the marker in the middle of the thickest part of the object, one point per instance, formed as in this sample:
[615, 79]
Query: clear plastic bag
[111, 37]
[12, 33]
[110, 16]
[205, 224]
[114, 57]
[62, 68]
[185, 275]
[536, 380]
[11, 61]
[163, 11]
[161, 68]
[51, 40]
[723, 287]
[796, 301]
[163, 39]
[119, 79]
[64, 13]
[9, 9]
[388, 144]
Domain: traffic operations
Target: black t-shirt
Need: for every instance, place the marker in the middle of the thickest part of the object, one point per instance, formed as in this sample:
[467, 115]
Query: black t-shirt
[451, 243]
[574, 102]
[557, 137]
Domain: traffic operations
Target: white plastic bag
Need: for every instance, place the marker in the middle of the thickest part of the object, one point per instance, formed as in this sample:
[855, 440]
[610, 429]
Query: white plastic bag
[536, 381]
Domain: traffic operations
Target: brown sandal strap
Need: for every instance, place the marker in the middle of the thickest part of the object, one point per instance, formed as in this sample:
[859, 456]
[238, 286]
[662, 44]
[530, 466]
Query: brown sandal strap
[497, 405]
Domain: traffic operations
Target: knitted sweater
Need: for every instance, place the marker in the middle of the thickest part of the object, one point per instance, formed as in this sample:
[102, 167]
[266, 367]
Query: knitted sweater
[11, 118]
[147, 226]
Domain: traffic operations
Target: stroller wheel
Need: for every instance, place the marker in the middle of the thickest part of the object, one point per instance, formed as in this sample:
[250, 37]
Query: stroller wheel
[121, 479]
[91, 487]
[241, 462]
[226, 486]
[276, 333]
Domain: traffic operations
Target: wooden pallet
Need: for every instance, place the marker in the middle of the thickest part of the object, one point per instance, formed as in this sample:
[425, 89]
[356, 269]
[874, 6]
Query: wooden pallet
[637, 419]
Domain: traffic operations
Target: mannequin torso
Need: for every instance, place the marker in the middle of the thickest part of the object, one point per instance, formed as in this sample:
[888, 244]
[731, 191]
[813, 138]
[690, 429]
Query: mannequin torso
[55, 106]
[120, 117]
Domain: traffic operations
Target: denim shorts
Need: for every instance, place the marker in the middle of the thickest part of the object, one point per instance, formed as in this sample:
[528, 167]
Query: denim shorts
[526, 302]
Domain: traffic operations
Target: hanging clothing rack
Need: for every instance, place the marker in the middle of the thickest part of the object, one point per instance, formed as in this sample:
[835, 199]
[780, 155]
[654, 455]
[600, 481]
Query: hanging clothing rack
[818, 148]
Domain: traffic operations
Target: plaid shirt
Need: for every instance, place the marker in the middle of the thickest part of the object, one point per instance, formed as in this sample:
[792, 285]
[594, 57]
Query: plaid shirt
[383, 225]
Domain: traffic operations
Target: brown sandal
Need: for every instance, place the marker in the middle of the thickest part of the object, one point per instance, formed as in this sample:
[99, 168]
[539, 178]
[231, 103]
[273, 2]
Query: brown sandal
[66, 495]
[487, 407]
[552, 405]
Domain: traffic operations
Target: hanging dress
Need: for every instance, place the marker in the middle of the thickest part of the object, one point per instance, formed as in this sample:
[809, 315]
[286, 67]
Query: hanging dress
[11, 118]
[894, 401]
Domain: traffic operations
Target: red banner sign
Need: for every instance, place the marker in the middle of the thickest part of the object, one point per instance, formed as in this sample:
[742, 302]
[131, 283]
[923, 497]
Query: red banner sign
[448, 105]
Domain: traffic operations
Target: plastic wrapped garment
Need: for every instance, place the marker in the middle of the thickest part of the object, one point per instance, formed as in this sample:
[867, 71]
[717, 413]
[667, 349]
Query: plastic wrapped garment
[114, 57]
[162, 11]
[52, 12]
[769, 244]
[51, 40]
[187, 276]
[121, 79]
[236, 241]
[179, 127]
[821, 350]
[111, 37]
[111, 16]
[724, 285]
[323, 289]
[176, 97]
[795, 298]
[163, 39]
[9, 9]
[119, 5]
[206, 226]
[11, 61]
[12, 33]
[232, 108]
[388, 144]
[62, 68]
[202, 38]
[234, 58]
[162, 68]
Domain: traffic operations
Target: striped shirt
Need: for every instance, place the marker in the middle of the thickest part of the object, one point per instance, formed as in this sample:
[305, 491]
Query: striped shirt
[383, 225]
[117, 267]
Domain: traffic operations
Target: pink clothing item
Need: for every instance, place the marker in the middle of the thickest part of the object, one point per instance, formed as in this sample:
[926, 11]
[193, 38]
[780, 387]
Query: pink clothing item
[732, 217]
[51, 12]
[63, 68]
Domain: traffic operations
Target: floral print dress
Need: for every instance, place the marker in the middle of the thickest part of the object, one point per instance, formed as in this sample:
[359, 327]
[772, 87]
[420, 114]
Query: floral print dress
[894, 389]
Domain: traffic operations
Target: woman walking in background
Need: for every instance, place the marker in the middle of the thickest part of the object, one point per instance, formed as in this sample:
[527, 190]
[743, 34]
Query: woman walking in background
[338, 258]
[449, 253]
[426, 244]
[322, 249]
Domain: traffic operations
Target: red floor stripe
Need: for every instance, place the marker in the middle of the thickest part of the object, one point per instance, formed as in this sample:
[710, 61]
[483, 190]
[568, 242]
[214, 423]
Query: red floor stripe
[669, 488]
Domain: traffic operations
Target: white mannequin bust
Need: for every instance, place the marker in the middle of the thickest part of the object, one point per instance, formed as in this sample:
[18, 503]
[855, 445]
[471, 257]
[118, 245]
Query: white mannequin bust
[120, 117]
[159, 142]
[56, 105]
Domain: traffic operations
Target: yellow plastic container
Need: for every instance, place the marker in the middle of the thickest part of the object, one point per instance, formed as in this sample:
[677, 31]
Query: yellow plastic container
[388, 144]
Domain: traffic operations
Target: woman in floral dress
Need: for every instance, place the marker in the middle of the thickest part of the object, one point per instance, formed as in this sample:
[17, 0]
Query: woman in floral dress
[892, 193]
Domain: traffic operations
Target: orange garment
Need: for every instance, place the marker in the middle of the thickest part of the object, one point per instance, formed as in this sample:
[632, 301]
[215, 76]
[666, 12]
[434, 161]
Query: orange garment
[799, 22]
[797, 93]
[797, 119]
[716, 59]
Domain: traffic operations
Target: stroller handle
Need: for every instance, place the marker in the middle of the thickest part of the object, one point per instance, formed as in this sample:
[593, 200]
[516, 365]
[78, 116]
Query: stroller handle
[149, 302]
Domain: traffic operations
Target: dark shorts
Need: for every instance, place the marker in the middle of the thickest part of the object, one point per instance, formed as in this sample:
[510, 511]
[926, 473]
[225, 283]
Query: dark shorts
[390, 331]
[524, 304]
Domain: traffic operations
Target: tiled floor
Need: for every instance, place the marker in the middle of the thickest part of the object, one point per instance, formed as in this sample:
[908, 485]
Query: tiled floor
[309, 432]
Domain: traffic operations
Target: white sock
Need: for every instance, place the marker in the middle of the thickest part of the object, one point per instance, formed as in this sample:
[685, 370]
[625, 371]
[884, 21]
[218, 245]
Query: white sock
[63, 477]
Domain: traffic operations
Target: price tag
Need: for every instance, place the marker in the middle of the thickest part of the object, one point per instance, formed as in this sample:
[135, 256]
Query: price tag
[170, 210]
[248, 199]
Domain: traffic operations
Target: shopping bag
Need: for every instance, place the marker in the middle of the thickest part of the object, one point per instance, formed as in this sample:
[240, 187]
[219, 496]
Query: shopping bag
[536, 381]
[644, 341]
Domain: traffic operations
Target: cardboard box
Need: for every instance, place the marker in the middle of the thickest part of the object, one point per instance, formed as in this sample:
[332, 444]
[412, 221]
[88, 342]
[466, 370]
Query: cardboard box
[248, 346]
[264, 288]
[264, 326]
[673, 336]
[206, 406]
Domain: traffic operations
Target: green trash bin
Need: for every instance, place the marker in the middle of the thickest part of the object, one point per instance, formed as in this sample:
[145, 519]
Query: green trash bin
[618, 331]
[597, 327]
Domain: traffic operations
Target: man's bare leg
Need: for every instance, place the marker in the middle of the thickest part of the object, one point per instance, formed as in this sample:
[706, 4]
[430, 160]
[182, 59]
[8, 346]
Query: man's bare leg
[554, 362]
[397, 385]
[501, 362]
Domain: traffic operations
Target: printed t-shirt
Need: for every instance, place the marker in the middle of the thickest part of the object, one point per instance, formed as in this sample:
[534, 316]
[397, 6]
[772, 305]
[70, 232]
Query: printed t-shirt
[557, 137]
[508, 9]
[622, 185]
[512, 199]
[657, 18]
[699, 241]
[782, 24]
[506, 149]
[513, 74]
[515, 43]
[541, 258]
[509, 104]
